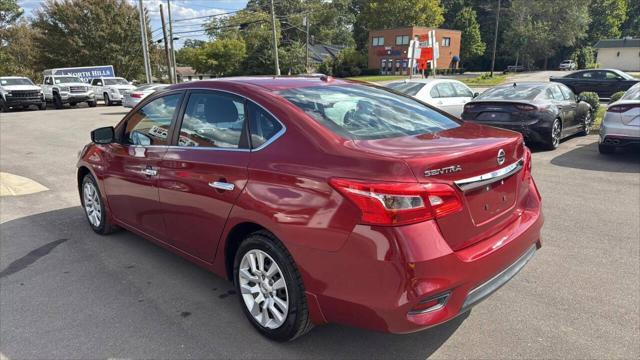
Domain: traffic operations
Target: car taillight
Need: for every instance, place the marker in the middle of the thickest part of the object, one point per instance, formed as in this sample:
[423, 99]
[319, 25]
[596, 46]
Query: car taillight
[383, 203]
[527, 163]
[525, 107]
[621, 108]
[136, 95]
[469, 107]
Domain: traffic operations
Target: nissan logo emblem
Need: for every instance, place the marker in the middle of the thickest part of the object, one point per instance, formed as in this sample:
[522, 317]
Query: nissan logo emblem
[501, 157]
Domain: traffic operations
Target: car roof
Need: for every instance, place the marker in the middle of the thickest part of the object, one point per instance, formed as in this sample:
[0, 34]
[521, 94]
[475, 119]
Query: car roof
[13, 77]
[270, 83]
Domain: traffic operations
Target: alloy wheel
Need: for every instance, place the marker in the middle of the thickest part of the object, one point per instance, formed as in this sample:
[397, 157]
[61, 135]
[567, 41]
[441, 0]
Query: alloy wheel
[92, 206]
[555, 133]
[263, 288]
[587, 123]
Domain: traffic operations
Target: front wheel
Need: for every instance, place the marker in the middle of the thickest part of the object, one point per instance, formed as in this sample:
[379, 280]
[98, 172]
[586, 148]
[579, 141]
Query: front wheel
[3, 106]
[94, 206]
[57, 101]
[553, 138]
[270, 288]
[107, 100]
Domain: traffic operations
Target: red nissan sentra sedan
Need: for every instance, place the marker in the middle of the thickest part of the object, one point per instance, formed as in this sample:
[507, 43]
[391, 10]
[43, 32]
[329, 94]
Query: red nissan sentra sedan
[322, 200]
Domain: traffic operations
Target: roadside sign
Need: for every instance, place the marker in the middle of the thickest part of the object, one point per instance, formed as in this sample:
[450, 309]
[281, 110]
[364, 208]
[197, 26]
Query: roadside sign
[86, 73]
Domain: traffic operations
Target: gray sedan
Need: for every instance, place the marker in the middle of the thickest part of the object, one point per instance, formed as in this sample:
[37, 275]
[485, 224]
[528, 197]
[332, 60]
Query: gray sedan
[132, 98]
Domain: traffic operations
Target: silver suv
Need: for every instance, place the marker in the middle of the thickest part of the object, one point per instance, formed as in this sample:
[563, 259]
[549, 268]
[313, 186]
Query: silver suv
[111, 89]
[67, 89]
[568, 65]
[19, 92]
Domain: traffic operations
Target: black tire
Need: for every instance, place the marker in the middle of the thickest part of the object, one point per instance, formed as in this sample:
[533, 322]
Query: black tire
[92, 103]
[107, 100]
[43, 105]
[3, 106]
[587, 123]
[297, 321]
[606, 149]
[72, 104]
[553, 137]
[104, 227]
[57, 101]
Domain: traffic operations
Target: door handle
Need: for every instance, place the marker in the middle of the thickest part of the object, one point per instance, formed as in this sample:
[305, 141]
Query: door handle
[220, 185]
[150, 172]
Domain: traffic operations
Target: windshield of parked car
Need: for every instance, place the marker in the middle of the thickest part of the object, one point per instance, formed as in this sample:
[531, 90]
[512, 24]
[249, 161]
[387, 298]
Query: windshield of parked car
[116, 81]
[510, 92]
[67, 79]
[632, 94]
[624, 75]
[367, 112]
[18, 81]
[409, 88]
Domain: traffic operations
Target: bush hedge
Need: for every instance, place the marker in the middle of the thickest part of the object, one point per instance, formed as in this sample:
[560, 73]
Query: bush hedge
[616, 96]
[592, 98]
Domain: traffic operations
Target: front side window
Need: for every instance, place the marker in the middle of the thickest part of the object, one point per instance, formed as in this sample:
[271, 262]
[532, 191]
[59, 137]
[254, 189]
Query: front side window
[365, 112]
[555, 93]
[378, 41]
[609, 75]
[150, 124]
[567, 93]
[213, 120]
[461, 90]
[445, 90]
[262, 126]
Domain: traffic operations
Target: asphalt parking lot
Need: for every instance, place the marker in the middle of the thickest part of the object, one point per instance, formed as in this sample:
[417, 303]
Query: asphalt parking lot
[66, 292]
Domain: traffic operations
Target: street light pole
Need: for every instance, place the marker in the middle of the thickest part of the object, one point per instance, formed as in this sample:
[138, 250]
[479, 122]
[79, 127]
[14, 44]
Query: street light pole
[495, 40]
[166, 43]
[275, 40]
[306, 20]
[145, 49]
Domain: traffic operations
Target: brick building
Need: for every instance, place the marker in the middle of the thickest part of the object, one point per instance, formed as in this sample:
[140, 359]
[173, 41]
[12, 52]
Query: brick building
[388, 48]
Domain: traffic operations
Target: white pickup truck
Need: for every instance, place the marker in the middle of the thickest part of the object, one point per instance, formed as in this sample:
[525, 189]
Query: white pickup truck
[66, 89]
[111, 89]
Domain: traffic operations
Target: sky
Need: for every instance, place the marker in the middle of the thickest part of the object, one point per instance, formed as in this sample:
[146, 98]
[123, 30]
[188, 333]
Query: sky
[182, 13]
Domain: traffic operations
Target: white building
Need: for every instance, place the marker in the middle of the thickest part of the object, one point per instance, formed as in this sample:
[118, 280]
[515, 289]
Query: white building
[622, 54]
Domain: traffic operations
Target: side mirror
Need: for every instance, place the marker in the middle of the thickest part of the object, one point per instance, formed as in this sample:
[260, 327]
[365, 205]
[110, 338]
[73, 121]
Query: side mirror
[103, 135]
[475, 94]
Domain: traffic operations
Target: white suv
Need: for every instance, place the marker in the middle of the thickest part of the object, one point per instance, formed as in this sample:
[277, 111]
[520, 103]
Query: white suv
[67, 89]
[19, 92]
[568, 65]
[111, 89]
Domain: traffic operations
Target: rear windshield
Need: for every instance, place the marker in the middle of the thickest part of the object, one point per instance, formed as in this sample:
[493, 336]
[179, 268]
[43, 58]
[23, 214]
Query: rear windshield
[519, 92]
[16, 81]
[632, 94]
[409, 88]
[367, 112]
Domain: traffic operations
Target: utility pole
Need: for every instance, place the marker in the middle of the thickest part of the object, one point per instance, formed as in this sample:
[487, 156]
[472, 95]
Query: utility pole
[145, 49]
[495, 40]
[166, 43]
[174, 78]
[306, 22]
[275, 40]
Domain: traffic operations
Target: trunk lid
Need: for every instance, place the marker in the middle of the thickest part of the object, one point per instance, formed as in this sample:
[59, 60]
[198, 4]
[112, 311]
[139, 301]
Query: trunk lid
[497, 111]
[458, 154]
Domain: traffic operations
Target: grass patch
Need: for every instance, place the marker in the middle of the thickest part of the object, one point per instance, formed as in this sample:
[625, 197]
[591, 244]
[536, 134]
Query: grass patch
[485, 80]
[598, 119]
[378, 78]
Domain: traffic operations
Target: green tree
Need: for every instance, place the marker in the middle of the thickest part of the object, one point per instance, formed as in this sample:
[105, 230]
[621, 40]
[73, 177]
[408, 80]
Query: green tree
[607, 16]
[10, 12]
[17, 55]
[90, 32]
[471, 43]
[631, 27]
[221, 57]
[383, 14]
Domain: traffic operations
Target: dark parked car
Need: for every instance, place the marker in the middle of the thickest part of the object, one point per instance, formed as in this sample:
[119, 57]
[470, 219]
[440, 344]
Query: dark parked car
[543, 112]
[604, 82]
[322, 200]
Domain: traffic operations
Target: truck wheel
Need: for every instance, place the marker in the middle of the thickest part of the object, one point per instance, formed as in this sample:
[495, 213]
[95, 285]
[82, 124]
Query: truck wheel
[92, 103]
[3, 106]
[72, 104]
[57, 101]
[43, 105]
[107, 100]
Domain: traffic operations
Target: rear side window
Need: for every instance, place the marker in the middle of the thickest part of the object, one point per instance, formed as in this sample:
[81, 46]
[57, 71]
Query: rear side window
[150, 124]
[365, 112]
[262, 126]
[461, 90]
[213, 120]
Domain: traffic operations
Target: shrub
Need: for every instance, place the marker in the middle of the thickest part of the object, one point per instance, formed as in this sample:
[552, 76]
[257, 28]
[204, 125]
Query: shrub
[592, 98]
[616, 96]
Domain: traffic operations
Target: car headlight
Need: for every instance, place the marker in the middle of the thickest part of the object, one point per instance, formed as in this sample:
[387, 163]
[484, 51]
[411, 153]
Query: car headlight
[9, 93]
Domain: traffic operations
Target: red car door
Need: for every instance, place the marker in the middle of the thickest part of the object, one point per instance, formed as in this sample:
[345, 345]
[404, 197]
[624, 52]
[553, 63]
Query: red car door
[131, 178]
[202, 176]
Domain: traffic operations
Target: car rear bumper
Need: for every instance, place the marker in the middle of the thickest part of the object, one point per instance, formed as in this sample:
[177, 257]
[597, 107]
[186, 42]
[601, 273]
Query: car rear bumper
[619, 135]
[386, 272]
[533, 131]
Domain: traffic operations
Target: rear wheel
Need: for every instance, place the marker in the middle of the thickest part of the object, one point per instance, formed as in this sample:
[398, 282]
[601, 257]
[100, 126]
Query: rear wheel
[587, 124]
[72, 104]
[606, 149]
[553, 138]
[270, 288]
[43, 105]
[94, 207]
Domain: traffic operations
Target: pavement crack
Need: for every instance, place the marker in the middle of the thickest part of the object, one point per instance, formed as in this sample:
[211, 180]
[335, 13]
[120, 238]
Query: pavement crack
[30, 258]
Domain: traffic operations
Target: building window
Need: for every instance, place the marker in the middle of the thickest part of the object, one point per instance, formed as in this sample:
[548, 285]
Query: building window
[446, 41]
[378, 41]
[402, 40]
